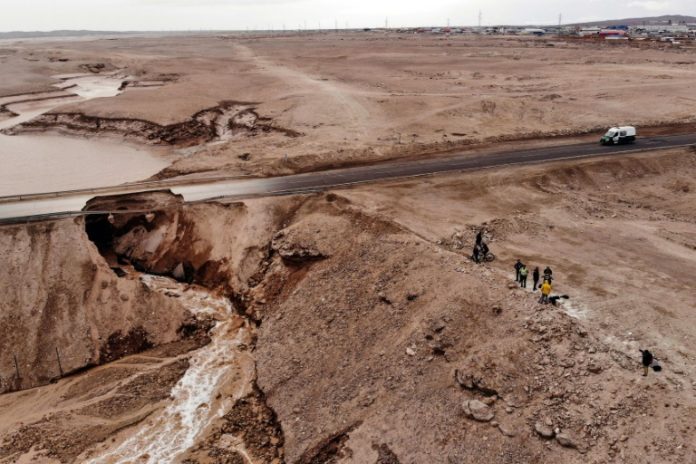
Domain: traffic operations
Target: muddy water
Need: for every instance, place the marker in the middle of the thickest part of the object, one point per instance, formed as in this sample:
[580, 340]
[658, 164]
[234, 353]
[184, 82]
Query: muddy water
[219, 373]
[46, 163]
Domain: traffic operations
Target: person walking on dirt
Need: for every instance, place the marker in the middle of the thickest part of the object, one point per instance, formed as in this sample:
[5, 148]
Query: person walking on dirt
[535, 278]
[647, 361]
[518, 266]
[545, 292]
[523, 276]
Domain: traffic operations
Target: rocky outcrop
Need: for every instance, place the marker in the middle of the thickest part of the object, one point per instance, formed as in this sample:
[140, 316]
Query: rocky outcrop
[63, 309]
[216, 245]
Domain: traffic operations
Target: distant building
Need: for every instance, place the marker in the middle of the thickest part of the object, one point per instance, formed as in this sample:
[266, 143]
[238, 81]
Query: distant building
[612, 33]
[589, 31]
[658, 29]
[533, 31]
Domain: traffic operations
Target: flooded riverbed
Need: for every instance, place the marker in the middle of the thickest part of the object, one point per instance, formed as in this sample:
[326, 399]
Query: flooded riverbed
[219, 374]
[45, 163]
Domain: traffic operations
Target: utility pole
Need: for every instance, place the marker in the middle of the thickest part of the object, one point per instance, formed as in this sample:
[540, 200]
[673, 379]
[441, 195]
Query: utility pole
[16, 366]
[335, 25]
[60, 366]
[386, 22]
[560, 21]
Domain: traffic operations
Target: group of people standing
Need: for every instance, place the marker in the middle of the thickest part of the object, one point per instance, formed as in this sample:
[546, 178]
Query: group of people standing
[521, 273]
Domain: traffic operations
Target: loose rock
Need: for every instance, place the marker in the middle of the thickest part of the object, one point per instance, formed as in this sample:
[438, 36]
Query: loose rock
[566, 441]
[544, 430]
[477, 410]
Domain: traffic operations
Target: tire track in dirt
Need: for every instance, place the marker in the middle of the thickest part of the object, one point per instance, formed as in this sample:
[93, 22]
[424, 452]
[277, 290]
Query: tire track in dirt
[356, 111]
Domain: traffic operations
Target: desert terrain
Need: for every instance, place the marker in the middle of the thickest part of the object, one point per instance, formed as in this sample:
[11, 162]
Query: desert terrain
[313, 101]
[351, 325]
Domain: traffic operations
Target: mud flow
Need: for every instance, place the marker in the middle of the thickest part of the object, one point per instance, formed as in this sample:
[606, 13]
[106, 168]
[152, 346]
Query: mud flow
[220, 373]
[217, 394]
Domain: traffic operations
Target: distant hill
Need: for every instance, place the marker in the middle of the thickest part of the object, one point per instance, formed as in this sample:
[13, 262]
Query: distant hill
[87, 33]
[676, 19]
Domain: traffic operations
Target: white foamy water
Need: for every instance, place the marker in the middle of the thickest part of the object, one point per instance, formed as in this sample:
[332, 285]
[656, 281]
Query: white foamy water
[193, 407]
[45, 163]
[574, 310]
[91, 86]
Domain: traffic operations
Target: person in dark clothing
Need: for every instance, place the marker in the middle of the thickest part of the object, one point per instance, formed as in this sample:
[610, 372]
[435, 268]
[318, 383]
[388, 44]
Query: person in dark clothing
[484, 250]
[535, 279]
[479, 237]
[518, 266]
[647, 361]
[477, 253]
[548, 275]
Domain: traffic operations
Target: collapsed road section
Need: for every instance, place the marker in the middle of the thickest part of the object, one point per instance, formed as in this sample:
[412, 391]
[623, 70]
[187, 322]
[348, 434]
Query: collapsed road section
[71, 204]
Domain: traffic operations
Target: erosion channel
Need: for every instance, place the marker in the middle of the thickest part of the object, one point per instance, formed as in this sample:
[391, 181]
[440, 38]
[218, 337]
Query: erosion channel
[201, 419]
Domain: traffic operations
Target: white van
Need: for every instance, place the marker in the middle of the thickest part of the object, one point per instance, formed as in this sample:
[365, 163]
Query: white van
[617, 135]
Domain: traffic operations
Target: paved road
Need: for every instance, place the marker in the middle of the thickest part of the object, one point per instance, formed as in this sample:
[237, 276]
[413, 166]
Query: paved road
[70, 204]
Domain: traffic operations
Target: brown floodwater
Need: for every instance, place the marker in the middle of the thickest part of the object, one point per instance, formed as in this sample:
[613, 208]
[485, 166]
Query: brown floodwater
[39, 163]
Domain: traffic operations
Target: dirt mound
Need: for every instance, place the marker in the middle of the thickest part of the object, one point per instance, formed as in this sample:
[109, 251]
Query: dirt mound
[250, 423]
[409, 333]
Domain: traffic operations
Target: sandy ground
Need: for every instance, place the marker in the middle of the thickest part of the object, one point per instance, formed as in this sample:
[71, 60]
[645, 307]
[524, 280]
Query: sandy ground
[359, 97]
[375, 335]
[622, 231]
[372, 337]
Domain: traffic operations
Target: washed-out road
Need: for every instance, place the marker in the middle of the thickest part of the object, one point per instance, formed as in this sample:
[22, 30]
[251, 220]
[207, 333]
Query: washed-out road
[66, 204]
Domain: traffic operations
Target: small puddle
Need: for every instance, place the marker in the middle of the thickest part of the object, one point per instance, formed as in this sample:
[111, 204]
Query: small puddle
[198, 398]
[39, 163]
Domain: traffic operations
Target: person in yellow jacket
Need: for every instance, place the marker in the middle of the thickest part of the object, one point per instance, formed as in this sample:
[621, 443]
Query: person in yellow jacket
[545, 292]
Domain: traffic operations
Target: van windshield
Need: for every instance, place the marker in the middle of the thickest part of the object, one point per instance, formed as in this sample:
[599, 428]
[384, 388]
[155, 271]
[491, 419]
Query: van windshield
[610, 133]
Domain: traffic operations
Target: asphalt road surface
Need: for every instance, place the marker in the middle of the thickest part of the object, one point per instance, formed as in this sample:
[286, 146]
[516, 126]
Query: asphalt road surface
[70, 203]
